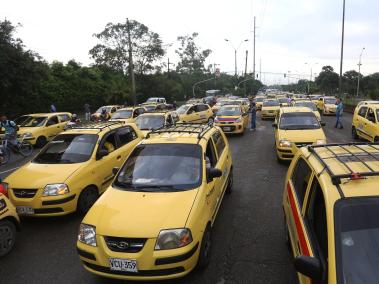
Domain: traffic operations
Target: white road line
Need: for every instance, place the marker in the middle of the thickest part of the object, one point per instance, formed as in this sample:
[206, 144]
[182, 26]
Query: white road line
[9, 170]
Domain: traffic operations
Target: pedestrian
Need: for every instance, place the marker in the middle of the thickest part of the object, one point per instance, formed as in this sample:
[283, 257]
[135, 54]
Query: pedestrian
[289, 101]
[253, 111]
[53, 108]
[10, 129]
[87, 111]
[339, 111]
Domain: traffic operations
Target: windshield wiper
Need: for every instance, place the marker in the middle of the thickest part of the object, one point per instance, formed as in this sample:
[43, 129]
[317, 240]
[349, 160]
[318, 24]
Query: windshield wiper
[145, 188]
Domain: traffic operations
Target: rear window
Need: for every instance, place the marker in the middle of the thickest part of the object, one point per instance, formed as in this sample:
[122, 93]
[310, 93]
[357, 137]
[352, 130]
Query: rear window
[271, 103]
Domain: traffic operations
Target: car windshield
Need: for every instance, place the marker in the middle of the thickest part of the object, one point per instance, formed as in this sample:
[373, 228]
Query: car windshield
[306, 104]
[258, 100]
[123, 114]
[68, 149]
[283, 100]
[150, 108]
[357, 240]
[34, 121]
[21, 119]
[270, 103]
[161, 167]
[183, 109]
[298, 121]
[108, 109]
[330, 101]
[229, 111]
[149, 122]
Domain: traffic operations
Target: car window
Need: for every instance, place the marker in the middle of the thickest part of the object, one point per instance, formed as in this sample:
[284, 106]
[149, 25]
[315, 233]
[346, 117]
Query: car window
[210, 155]
[191, 110]
[64, 117]
[126, 135]
[300, 179]
[109, 143]
[219, 142]
[52, 120]
[370, 115]
[362, 111]
[201, 108]
[316, 218]
[169, 120]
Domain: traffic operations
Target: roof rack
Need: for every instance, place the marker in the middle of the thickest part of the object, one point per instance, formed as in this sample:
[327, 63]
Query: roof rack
[95, 125]
[347, 155]
[191, 128]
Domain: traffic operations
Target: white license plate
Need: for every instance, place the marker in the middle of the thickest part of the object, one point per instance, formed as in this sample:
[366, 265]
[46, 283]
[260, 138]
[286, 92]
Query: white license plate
[226, 128]
[25, 210]
[119, 264]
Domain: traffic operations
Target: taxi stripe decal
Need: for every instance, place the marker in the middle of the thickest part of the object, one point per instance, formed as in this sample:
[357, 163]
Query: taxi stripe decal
[299, 229]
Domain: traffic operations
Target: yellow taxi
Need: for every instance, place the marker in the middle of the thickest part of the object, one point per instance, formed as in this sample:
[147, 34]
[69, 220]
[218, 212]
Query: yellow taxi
[327, 105]
[365, 122]
[314, 98]
[296, 126]
[364, 103]
[155, 221]
[331, 204]
[270, 109]
[39, 128]
[110, 109]
[245, 104]
[72, 170]
[195, 101]
[195, 113]
[259, 101]
[232, 119]
[9, 224]
[220, 102]
[154, 120]
[127, 115]
[284, 102]
[309, 104]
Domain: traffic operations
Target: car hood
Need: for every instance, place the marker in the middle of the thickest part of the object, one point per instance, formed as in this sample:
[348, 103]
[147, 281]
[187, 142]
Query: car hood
[34, 175]
[270, 108]
[308, 135]
[228, 118]
[139, 214]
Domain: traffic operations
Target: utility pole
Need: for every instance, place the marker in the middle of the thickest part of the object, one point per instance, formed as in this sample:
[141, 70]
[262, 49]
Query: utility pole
[247, 53]
[235, 62]
[260, 69]
[131, 65]
[342, 42]
[254, 48]
[168, 67]
[359, 70]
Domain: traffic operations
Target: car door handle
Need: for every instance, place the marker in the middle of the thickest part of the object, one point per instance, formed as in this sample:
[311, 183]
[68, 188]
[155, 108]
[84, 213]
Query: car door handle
[118, 157]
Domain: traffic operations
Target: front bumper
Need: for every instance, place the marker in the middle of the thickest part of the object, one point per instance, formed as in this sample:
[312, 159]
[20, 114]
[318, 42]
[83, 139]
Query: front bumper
[231, 127]
[44, 205]
[152, 265]
[284, 153]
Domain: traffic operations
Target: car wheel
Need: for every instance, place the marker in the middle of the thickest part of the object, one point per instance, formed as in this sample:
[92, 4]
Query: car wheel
[354, 133]
[286, 233]
[205, 249]
[376, 140]
[229, 188]
[86, 199]
[7, 237]
[41, 141]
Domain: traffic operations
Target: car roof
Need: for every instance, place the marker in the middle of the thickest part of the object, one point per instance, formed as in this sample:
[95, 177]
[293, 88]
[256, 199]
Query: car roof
[47, 114]
[100, 128]
[295, 109]
[353, 168]
[157, 113]
[371, 105]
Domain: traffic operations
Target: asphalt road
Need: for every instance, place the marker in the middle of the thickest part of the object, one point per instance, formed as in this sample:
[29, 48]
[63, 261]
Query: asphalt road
[248, 238]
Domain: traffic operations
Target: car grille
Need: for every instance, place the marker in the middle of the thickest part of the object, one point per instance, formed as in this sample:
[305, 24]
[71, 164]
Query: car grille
[303, 143]
[130, 245]
[24, 193]
[226, 122]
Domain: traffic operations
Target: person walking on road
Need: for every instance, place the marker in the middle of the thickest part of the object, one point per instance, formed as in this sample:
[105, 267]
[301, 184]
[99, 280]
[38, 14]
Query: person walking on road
[53, 108]
[253, 114]
[87, 111]
[339, 112]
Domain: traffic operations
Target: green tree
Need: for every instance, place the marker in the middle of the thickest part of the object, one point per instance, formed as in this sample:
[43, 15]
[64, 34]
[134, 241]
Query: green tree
[349, 81]
[327, 80]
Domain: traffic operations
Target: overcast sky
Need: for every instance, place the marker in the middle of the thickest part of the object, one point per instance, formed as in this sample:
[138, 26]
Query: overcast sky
[289, 32]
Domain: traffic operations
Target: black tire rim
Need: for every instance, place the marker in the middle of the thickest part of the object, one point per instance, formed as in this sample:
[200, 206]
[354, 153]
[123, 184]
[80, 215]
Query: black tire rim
[7, 239]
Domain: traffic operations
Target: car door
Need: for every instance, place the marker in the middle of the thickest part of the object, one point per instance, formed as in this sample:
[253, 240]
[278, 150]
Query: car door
[191, 115]
[370, 125]
[295, 194]
[202, 111]
[211, 194]
[63, 120]
[52, 127]
[360, 121]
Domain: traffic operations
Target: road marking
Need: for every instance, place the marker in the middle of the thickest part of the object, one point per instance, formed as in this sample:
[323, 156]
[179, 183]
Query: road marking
[3, 172]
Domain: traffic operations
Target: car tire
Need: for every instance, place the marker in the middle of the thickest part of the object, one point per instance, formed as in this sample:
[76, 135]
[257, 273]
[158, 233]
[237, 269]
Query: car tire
[205, 249]
[229, 188]
[41, 141]
[376, 139]
[8, 236]
[86, 199]
[286, 233]
[354, 133]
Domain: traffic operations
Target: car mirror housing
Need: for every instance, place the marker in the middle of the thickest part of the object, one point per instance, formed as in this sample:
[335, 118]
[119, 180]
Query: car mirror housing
[213, 173]
[308, 266]
[101, 154]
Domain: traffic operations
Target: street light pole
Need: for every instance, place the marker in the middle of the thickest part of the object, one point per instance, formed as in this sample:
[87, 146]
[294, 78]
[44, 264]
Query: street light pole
[359, 70]
[235, 53]
[310, 77]
[342, 42]
[131, 65]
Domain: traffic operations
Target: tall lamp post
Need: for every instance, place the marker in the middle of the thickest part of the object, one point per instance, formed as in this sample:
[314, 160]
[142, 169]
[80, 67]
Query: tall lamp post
[359, 70]
[311, 65]
[342, 41]
[235, 53]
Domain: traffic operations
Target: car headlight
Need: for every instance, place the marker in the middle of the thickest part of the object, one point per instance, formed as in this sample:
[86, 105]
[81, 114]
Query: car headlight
[238, 120]
[284, 143]
[55, 189]
[28, 135]
[320, 141]
[172, 239]
[87, 235]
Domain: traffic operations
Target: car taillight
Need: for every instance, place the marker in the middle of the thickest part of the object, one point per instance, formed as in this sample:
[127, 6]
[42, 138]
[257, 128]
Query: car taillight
[3, 189]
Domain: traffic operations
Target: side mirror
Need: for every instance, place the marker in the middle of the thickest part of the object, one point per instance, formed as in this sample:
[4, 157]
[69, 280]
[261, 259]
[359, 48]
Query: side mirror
[101, 154]
[275, 125]
[115, 170]
[213, 173]
[322, 123]
[308, 266]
